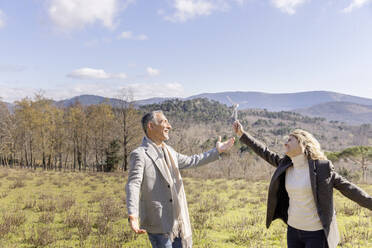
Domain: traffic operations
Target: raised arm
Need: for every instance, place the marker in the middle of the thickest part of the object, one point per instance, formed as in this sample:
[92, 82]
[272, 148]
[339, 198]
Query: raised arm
[350, 190]
[206, 157]
[259, 148]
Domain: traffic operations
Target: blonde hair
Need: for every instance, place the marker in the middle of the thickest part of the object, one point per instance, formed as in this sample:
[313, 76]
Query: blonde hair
[310, 146]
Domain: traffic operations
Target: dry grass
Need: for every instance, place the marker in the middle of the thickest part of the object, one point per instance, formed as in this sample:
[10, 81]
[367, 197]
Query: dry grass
[224, 213]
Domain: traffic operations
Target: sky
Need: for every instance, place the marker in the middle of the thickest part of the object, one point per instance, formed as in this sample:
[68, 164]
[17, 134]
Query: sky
[179, 48]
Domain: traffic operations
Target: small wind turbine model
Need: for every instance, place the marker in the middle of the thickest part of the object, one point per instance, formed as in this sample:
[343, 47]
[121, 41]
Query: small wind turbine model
[235, 109]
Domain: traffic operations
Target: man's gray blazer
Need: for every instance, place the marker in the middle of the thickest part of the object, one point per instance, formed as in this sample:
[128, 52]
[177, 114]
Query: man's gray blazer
[323, 179]
[148, 191]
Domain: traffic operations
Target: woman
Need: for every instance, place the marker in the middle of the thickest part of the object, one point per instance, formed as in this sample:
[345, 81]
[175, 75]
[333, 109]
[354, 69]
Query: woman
[301, 190]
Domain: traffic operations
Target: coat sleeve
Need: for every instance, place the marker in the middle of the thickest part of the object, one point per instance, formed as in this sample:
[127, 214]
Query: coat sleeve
[196, 160]
[260, 149]
[350, 190]
[133, 186]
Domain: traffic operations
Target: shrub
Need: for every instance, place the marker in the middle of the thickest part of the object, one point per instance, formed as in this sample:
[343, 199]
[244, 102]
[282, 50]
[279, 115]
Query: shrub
[46, 205]
[40, 236]
[74, 218]
[110, 209]
[29, 203]
[84, 226]
[11, 220]
[65, 203]
[18, 183]
[102, 225]
[46, 217]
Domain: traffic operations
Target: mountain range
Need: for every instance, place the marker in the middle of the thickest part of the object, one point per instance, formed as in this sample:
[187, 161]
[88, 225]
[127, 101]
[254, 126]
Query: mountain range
[331, 105]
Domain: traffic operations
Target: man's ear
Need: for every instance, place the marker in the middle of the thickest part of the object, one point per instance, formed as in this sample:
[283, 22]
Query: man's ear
[150, 125]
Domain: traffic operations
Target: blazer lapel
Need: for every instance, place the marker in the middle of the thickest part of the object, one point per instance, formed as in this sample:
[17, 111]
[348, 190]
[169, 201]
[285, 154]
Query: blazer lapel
[281, 169]
[313, 175]
[156, 159]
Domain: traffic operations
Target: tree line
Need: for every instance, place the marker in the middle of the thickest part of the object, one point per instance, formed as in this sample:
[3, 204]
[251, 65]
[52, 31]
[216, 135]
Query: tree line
[37, 133]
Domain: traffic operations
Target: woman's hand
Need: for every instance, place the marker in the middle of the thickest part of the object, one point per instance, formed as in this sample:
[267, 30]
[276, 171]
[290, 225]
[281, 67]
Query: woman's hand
[238, 128]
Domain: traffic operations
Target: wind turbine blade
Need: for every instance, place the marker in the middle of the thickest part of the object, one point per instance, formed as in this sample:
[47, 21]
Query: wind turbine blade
[228, 98]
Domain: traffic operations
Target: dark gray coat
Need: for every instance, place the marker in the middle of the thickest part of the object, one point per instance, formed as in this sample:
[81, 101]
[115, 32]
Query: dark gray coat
[323, 179]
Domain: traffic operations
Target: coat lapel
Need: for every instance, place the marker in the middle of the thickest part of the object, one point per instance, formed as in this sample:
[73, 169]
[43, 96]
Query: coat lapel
[156, 159]
[313, 175]
[281, 169]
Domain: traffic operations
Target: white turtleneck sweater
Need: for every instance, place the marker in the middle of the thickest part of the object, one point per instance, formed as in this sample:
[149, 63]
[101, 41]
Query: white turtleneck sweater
[302, 213]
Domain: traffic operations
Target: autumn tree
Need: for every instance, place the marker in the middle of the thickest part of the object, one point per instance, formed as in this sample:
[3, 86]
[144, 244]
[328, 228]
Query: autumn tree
[101, 124]
[7, 148]
[45, 125]
[77, 127]
[129, 127]
[25, 117]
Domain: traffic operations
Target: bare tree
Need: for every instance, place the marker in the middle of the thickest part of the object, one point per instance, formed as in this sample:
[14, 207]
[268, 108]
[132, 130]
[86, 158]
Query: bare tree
[129, 123]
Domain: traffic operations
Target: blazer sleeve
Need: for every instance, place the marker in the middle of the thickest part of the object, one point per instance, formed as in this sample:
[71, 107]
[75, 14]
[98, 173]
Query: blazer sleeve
[260, 149]
[350, 190]
[133, 186]
[196, 160]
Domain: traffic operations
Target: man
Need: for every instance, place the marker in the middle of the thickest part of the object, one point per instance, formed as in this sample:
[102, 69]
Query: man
[155, 191]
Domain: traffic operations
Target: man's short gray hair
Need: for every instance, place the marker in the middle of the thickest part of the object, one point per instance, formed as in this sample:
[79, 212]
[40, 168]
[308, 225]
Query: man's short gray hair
[149, 117]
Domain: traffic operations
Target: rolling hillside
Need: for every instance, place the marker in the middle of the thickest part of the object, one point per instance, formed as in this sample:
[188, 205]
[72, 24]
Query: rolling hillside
[340, 111]
[330, 105]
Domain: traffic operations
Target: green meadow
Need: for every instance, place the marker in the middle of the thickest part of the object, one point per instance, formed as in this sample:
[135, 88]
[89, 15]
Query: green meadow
[83, 209]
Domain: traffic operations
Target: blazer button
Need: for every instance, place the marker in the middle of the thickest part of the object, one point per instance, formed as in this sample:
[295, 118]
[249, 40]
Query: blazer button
[168, 186]
[170, 200]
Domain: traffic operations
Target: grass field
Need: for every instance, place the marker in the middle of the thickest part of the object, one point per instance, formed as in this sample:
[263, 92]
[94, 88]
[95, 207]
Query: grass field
[55, 209]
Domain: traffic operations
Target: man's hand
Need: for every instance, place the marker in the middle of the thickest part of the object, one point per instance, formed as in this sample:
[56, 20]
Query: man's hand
[133, 221]
[224, 146]
[238, 128]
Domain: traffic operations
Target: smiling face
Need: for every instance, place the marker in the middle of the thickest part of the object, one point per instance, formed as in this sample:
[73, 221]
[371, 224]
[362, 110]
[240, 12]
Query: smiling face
[292, 147]
[158, 131]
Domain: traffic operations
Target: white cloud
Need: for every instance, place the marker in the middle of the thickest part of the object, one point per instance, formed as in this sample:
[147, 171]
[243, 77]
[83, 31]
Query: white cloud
[75, 14]
[89, 73]
[288, 6]
[189, 9]
[152, 71]
[2, 19]
[139, 91]
[356, 4]
[128, 35]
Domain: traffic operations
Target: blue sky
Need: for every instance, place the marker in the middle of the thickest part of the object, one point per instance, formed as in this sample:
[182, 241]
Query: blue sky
[178, 48]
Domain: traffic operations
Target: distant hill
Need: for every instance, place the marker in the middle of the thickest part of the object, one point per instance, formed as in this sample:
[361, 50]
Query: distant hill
[337, 106]
[340, 111]
[197, 110]
[280, 102]
[246, 100]
[153, 100]
[269, 127]
[87, 100]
